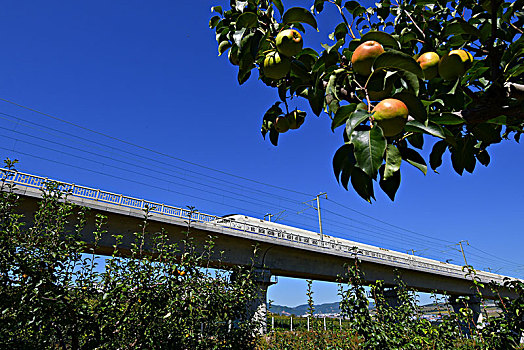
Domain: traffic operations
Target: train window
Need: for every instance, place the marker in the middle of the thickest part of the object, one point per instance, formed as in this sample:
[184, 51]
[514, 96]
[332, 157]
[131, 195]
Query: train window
[261, 230]
[271, 233]
[253, 229]
[314, 241]
[289, 237]
[306, 240]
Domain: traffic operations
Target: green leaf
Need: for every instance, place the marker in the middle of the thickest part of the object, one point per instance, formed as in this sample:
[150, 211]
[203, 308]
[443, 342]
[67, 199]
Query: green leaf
[411, 82]
[280, 7]
[217, 9]
[435, 157]
[483, 157]
[214, 21]
[363, 184]
[243, 75]
[354, 8]
[316, 100]
[319, 5]
[500, 120]
[299, 69]
[355, 119]
[446, 119]
[415, 107]
[463, 155]
[414, 158]
[299, 15]
[224, 45]
[390, 184]
[381, 37]
[369, 149]
[431, 128]
[341, 31]
[398, 60]
[343, 163]
[393, 160]
[273, 137]
[247, 20]
[458, 28]
[342, 115]
[416, 140]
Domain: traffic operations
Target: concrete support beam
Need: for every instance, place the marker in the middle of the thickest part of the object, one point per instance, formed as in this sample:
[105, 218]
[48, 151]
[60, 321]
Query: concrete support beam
[257, 309]
[471, 303]
[391, 298]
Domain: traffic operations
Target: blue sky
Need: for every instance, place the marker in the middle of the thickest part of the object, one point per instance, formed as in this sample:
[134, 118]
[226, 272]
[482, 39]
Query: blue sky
[148, 73]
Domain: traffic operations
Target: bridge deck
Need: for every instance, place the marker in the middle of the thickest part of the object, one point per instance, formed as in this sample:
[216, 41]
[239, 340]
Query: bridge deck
[285, 254]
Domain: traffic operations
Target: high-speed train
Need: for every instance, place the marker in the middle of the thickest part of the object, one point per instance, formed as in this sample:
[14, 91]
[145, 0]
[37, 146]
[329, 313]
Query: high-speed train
[364, 252]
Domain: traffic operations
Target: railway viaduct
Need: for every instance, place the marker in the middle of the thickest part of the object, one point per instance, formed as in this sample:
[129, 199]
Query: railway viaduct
[286, 256]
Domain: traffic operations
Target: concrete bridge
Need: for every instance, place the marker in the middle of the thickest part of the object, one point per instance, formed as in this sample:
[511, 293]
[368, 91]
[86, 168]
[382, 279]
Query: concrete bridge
[280, 253]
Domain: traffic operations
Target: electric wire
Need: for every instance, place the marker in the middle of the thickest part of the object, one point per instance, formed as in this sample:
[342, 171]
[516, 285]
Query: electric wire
[127, 179]
[113, 159]
[343, 234]
[492, 259]
[124, 179]
[386, 223]
[155, 161]
[330, 200]
[133, 165]
[148, 149]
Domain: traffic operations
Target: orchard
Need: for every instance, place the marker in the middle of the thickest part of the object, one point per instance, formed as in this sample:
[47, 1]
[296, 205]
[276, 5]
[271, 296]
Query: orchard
[450, 72]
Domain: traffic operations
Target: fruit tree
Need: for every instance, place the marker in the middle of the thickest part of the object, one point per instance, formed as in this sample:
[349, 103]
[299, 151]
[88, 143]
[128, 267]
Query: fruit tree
[393, 72]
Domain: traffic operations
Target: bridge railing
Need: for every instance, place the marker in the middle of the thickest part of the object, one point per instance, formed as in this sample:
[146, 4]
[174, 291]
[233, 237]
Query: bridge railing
[78, 191]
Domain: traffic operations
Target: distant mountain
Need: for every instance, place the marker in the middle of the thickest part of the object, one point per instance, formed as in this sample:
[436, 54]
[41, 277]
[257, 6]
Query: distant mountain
[329, 308]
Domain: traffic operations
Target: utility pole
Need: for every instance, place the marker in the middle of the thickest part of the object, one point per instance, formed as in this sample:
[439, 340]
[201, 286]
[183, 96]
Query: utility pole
[317, 208]
[412, 251]
[462, 250]
[319, 218]
[277, 215]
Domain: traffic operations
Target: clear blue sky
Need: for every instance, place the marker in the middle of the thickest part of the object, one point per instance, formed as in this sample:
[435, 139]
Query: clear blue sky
[148, 73]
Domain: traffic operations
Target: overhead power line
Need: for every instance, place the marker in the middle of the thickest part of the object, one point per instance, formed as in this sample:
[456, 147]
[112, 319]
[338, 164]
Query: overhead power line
[147, 148]
[376, 227]
[141, 157]
[387, 223]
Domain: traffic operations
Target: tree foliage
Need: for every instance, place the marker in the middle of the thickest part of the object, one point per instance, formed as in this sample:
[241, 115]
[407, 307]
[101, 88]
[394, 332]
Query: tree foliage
[56, 294]
[463, 115]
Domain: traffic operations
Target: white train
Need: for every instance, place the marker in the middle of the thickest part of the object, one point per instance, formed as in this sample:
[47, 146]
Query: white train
[363, 251]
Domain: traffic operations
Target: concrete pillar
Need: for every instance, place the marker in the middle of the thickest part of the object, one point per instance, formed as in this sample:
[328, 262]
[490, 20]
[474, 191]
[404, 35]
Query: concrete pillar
[391, 298]
[472, 303]
[257, 309]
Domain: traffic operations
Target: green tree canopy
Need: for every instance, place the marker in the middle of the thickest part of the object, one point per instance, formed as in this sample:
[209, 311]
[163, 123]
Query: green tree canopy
[470, 99]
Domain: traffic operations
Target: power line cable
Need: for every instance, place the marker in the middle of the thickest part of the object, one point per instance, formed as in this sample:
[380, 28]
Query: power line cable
[151, 150]
[386, 223]
[225, 173]
[148, 149]
[495, 256]
[155, 161]
[133, 165]
[126, 179]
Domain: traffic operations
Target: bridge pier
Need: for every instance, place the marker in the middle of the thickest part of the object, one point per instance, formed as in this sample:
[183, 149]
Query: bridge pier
[472, 303]
[257, 309]
[391, 298]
